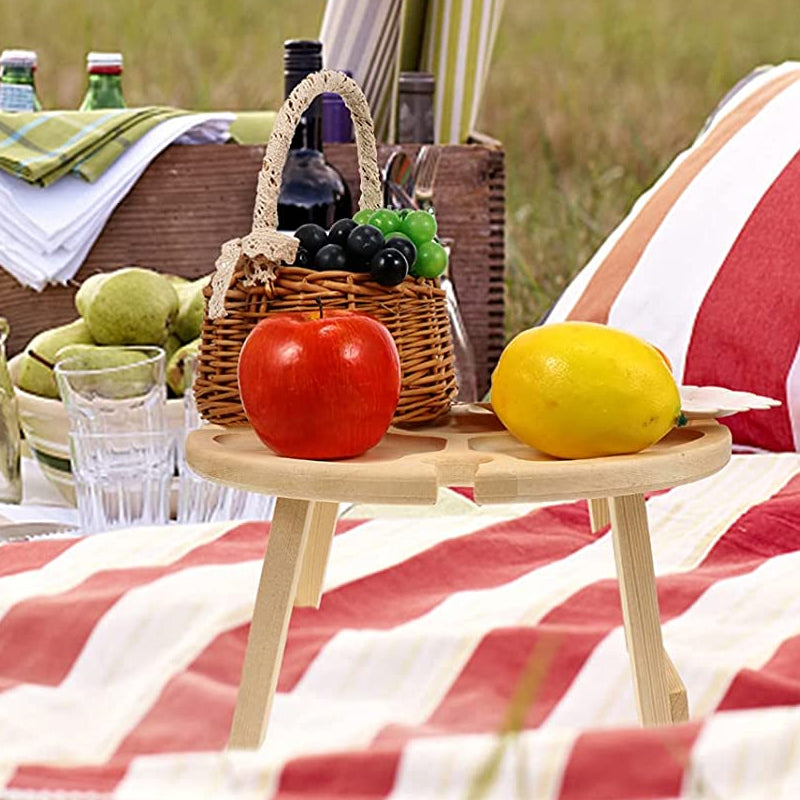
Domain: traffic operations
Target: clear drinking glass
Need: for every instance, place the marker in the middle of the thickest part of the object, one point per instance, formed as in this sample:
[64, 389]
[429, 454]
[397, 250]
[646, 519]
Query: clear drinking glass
[121, 449]
[10, 475]
[200, 500]
[466, 374]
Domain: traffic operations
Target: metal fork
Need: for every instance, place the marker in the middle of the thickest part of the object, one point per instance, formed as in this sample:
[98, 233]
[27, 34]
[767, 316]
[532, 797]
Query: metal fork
[425, 169]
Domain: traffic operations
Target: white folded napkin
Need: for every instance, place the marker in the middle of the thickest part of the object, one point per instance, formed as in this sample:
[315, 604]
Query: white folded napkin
[46, 233]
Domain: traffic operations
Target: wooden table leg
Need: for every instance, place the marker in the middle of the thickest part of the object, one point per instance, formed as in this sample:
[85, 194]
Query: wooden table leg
[273, 607]
[637, 589]
[598, 513]
[315, 555]
[678, 701]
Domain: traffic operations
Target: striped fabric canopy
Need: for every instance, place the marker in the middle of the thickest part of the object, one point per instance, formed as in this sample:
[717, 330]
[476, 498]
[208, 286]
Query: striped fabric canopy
[707, 264]
[453, 39]
[477, 657]
[457, 49]
[362, 36]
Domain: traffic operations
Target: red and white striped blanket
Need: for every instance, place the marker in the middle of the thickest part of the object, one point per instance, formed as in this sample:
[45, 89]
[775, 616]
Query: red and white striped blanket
[471, 656]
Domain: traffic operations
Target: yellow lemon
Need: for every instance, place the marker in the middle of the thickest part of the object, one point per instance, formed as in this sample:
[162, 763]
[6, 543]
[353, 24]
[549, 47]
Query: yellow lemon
[579, 390]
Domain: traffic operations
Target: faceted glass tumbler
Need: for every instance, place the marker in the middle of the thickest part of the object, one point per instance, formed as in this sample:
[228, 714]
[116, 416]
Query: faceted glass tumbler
[122, 452]
[200, 500]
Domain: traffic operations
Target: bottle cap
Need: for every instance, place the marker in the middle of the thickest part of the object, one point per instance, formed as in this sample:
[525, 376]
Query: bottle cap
[18, 58]
[417, 82]
[104, 63]
[302, 55]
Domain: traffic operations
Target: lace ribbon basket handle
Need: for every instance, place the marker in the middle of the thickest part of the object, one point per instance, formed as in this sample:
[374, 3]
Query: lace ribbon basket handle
[260, 252]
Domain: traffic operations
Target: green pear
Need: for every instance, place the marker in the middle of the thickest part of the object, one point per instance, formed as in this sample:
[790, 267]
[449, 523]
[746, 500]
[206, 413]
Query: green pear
[189, 322]
[118, 383]
[175, 280]
[171, 344]
[177, 373]
[86, 290]
[95, 356]
[35, 377]
[131, 306]
[6, 386]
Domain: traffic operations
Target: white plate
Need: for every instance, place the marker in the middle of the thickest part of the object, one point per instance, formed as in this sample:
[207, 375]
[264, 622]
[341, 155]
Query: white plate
[711, 402]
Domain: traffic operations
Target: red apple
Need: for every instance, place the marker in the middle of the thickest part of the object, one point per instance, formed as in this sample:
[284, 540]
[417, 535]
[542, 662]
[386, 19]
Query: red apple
[322, 385]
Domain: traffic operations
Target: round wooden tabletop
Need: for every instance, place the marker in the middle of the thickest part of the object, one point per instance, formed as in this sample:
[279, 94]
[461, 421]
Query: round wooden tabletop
[469, 448]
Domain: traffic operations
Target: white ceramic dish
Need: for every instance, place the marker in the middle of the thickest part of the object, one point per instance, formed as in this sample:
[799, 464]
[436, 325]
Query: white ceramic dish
[713, 402]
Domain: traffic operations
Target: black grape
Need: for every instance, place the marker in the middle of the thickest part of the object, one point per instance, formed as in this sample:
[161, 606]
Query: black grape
[312, 237]
[388, 267]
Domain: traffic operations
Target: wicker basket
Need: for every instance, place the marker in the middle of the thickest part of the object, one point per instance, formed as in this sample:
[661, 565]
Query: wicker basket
[251, 283]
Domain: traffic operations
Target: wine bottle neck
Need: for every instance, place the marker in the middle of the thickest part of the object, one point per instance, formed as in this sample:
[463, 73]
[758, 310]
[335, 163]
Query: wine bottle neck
[308, 133]
[18, 75]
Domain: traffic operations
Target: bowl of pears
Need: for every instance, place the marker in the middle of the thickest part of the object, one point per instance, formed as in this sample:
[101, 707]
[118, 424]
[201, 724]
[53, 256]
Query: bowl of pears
[116, 310]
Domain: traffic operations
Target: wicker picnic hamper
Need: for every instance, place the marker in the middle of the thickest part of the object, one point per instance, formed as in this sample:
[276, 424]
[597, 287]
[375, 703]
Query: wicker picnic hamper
[252, 282]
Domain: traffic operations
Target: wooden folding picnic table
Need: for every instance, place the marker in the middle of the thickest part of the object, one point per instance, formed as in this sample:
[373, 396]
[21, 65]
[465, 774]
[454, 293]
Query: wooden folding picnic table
[470, 447]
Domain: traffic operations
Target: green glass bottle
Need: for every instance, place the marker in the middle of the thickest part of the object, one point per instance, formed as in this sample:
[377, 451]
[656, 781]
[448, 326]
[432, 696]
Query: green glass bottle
[17, 86]
[105, 82]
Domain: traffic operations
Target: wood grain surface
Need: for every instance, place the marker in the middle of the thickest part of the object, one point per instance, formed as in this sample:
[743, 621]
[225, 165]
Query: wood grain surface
[266, 640]
[637, 589]
[469, 447]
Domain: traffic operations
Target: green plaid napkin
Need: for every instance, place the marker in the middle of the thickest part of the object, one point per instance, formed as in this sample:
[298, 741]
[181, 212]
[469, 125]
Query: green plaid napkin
[41, 147]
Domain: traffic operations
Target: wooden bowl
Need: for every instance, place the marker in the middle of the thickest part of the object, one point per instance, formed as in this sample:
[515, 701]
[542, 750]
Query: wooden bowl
[44, 424]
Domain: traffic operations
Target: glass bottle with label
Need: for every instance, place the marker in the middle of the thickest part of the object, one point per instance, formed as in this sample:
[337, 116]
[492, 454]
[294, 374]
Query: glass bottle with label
[10, 477]
[312, 190]
[105, 82]
[17, 86]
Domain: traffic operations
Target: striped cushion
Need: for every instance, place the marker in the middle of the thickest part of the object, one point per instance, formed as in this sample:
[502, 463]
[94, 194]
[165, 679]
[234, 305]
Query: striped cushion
[706, 265]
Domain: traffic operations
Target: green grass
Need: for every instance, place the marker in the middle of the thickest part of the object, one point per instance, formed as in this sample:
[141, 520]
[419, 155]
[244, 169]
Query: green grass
[591, 98]
[201, 54]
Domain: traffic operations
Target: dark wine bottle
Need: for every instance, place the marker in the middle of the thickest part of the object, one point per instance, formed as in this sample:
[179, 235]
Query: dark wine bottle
[312, 189]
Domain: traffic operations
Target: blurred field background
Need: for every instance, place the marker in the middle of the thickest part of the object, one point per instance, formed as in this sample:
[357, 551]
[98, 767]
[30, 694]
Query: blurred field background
[591, 98]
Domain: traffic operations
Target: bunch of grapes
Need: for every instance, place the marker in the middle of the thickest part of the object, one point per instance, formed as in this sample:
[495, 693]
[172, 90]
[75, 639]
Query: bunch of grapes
[385, 243]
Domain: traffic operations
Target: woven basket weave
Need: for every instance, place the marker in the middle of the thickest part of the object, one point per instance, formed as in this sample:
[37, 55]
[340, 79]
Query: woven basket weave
[251, 283]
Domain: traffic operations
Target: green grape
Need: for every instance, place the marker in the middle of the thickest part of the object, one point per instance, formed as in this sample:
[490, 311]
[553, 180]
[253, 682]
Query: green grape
[400, 234]
[362, 217]
[419, 226]
[385, 220]
[404, 212]
[431, 260]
